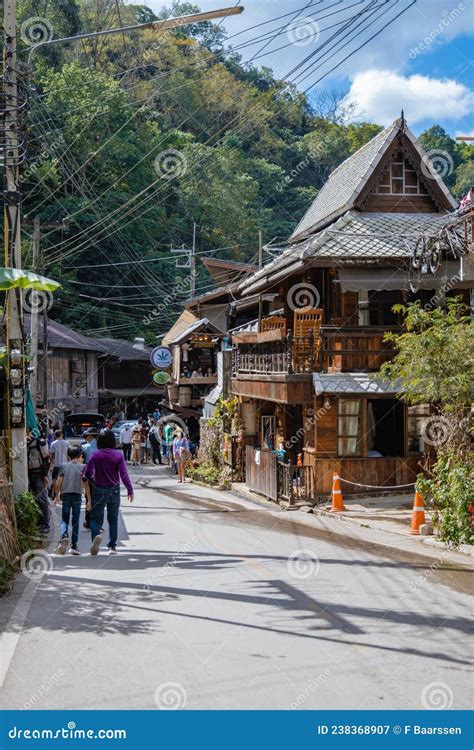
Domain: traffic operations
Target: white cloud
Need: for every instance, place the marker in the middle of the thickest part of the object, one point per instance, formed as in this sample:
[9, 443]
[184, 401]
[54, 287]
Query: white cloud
[463, 133]
[381, 94]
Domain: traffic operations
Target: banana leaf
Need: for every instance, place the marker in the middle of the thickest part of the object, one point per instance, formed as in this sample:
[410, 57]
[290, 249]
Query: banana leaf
[16, 277]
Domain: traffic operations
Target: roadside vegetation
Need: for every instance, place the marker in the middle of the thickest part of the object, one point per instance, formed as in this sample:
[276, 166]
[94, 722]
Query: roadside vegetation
[435, 364]
[15, 544]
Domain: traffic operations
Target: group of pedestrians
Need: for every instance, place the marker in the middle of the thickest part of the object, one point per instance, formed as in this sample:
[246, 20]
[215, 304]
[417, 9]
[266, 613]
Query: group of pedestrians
[142, 442]
[92, 471]
[149, 441]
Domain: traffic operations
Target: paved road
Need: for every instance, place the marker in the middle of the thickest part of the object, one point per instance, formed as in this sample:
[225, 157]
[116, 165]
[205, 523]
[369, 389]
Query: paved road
[223, 608]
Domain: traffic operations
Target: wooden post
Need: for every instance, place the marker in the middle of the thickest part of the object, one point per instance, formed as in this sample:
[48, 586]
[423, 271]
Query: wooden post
[289, 353]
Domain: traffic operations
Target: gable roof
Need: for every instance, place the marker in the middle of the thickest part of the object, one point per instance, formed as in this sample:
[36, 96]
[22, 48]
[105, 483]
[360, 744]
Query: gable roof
[61, 336]
[186, 319]
[200, 325]
[343, 186]
[227, 271]
[122, 349]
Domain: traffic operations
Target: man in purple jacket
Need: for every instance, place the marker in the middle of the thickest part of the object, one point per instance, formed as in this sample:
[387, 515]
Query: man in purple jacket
[105, 469]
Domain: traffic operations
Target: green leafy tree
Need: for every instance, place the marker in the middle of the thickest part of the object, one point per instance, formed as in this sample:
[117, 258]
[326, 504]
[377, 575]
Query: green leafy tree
[443, 150]
[464, 179]
[434, 365]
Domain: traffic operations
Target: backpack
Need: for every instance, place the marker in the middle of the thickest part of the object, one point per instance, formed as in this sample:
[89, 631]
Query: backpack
[37, 452]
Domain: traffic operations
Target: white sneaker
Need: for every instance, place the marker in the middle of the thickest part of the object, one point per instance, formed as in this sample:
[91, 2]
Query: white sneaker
[113, 552]
[63, 546]
[95, 546]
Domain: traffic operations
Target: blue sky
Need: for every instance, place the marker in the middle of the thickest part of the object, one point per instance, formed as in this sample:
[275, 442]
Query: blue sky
[423, 62]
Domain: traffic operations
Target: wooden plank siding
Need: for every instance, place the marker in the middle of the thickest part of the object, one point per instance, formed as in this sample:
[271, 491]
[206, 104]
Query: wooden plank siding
[285, 389]
[387, 472]
[261, 477]
[400, 204]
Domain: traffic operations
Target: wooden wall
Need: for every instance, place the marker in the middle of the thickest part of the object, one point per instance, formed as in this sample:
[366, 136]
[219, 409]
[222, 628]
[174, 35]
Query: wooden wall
[400, 204]
[373, 471]
[65, 368]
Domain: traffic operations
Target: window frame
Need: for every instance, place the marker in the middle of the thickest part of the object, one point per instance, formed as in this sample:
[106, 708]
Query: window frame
[399, 161]
[343, 437]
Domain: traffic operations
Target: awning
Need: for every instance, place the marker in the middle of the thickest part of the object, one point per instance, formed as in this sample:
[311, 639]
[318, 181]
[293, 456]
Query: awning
[352, 384]
[451, 275]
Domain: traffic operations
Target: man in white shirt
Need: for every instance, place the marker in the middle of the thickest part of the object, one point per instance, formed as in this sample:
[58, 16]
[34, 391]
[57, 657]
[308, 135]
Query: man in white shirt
[126, 441]
[58, 450]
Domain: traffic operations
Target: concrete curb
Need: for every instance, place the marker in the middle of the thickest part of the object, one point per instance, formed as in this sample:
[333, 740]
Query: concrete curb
[426, 541]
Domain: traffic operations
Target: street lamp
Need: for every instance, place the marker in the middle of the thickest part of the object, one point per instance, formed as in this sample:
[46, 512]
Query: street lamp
[167, 23]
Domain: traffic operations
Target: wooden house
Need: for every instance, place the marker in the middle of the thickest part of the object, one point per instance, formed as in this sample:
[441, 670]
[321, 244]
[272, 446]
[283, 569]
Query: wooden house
[194, 369]
[68, 377]
[306, 375]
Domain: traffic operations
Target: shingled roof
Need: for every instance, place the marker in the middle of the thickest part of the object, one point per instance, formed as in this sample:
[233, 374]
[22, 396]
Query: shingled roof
[343, 186]
[354, 236]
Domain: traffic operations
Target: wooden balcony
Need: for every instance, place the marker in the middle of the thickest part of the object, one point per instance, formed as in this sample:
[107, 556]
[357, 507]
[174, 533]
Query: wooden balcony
[346, 349]
[354, 349]
[288, 355]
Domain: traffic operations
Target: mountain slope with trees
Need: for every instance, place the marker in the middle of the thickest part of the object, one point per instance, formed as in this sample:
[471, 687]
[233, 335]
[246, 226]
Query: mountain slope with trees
[132, 139]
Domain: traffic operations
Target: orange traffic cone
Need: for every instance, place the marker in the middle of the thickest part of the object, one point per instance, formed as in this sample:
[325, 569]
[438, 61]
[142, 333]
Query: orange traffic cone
[418, 517]
[337, 501]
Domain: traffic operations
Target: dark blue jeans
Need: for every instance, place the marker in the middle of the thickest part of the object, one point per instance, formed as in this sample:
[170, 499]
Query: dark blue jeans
[71, 503]
[102, 498]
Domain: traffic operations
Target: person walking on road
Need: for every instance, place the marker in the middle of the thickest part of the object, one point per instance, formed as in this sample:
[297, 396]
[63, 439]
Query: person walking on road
[136, 441]
[104, 471]
[59, 449]
[144, 428]
[38, 469]
[90, 444]
[168, 434]
[69, 488]
[126, 441]
[89, 447]
[155, 442]
[181, 454]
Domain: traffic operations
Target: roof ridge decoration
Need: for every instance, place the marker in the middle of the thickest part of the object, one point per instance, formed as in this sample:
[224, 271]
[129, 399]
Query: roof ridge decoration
[344, 185]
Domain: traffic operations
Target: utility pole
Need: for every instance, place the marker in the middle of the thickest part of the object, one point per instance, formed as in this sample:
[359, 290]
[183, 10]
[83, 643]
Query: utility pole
[192, 283]
[33, 383]
[260, 265]
[12, 112]
[11, 185]
[189, 262]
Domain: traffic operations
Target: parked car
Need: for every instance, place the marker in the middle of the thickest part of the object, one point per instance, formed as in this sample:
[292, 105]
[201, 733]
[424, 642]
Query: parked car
[76, 424]
[119, 426]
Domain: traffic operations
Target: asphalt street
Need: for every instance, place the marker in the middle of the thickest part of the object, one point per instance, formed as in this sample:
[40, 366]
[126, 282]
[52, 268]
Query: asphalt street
[212, 604]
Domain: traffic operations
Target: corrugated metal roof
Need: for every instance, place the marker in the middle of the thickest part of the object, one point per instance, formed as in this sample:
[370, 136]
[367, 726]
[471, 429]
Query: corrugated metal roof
[63, 337]
[124, 350]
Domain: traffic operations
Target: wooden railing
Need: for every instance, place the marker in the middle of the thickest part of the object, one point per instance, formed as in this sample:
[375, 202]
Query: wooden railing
[295, 483]
[352, 349]
[348, 349]
[273, 323]
[290, 354]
